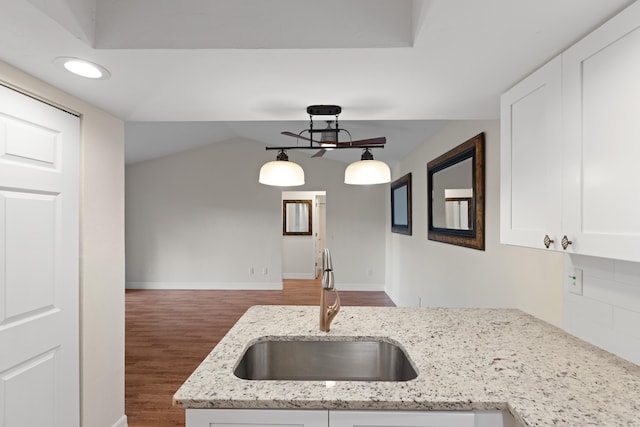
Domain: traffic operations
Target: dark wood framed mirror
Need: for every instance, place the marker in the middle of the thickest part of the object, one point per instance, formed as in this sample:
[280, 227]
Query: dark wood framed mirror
[296, 218]
[455, 201]
[401, 205]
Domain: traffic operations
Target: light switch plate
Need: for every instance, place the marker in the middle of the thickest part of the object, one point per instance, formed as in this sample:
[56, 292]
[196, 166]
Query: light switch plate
[574, 280]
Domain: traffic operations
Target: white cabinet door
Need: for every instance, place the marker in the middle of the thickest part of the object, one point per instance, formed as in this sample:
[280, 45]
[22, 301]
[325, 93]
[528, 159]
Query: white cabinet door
[530, 159]
[601, 85]
[39, 240]
[400, 419]
[256, 418]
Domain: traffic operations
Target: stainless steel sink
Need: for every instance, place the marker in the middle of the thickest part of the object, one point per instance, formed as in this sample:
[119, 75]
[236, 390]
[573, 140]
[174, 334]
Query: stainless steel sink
[324, 361]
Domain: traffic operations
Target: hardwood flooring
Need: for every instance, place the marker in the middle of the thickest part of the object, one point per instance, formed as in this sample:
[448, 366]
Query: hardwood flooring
[168, 333]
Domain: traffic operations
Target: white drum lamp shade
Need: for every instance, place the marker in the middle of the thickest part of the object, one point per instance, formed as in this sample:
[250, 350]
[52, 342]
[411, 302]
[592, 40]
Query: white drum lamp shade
[367, 171]
[281, 172]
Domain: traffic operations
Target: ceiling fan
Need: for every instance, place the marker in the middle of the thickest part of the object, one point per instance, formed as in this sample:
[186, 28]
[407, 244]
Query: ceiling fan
[328, 138]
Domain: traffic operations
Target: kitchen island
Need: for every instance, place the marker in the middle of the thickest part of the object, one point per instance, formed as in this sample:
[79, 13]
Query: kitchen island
[466, 359]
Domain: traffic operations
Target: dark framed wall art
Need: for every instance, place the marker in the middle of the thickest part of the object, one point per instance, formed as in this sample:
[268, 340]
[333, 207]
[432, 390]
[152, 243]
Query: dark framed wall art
[296, 218]
[455, 189]
[401, 205]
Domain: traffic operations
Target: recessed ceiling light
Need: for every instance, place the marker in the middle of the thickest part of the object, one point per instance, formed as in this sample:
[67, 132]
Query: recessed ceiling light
[84, 68]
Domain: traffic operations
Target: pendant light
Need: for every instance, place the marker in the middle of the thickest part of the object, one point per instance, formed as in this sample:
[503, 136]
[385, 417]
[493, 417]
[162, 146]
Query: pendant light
[281, 172]
[367, 171]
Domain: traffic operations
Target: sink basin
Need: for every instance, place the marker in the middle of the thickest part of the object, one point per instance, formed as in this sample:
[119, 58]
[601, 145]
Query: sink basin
[325, 361]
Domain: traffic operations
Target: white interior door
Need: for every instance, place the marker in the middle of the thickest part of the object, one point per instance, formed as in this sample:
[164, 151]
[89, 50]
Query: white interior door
[39, 221]
[320, 235]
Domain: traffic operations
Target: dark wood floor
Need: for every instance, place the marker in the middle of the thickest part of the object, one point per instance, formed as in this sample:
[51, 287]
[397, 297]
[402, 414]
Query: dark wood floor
[168, 333]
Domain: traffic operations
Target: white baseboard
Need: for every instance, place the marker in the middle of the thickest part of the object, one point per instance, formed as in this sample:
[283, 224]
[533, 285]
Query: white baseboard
[298, 276]
[360, 286]
[391, 297]
[243, 286]
[122, 422]
[234, 286]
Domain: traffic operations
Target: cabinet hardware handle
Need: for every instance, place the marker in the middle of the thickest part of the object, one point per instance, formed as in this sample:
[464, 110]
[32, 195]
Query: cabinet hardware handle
[565, 243]
[548, 241]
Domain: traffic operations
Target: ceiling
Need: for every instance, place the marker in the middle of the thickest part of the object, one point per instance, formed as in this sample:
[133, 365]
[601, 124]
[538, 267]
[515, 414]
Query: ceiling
[186, 73]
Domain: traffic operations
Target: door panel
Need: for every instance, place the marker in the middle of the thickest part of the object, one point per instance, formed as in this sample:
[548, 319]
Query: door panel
[39, 221]
[28, 283]
[41, 147]
[609, 120]
[38, 376]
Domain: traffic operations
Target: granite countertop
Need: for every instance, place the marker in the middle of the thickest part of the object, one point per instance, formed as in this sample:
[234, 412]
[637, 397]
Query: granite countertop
[467, 359]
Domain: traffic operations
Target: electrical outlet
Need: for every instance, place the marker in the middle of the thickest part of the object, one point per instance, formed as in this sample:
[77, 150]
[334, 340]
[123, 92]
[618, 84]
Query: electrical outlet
[251, 271]
[574, 280]
[265, 271]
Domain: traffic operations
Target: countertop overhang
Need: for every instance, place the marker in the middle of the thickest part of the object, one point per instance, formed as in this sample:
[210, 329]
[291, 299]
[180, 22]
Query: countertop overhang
[467, 359]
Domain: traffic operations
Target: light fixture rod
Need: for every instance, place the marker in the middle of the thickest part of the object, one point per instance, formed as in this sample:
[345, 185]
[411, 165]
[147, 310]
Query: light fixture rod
[302, 147]
[324, 130]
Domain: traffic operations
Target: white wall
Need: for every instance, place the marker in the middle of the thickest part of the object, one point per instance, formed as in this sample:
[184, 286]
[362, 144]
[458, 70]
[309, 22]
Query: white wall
[607, 313]
[445, 275]
[101, 253]
[200, 219]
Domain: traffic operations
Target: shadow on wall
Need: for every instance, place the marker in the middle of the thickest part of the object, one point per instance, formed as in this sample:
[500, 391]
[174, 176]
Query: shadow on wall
[200, 220]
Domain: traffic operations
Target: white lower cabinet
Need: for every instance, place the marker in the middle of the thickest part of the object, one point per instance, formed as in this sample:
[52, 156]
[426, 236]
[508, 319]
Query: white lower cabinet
[344, 418]
[256, 418]
[400, 419]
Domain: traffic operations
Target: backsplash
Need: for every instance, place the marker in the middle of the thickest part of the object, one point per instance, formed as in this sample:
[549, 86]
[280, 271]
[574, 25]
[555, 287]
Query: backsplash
[607, 313]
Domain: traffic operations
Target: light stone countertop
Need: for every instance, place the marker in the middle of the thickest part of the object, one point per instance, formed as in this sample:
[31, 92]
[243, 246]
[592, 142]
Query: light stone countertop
[467, 359]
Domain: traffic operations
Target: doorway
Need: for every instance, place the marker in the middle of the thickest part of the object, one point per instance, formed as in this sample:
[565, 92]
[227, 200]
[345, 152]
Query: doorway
[301, 254]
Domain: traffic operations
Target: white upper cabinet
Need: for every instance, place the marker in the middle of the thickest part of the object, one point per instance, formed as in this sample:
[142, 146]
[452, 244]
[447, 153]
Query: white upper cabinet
[570, 148]
[530, 176]
[601, 114]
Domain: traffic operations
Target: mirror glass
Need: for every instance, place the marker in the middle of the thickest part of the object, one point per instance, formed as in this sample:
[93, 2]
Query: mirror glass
[453, 196]
[455, 183]
[401, 205]
[296, 217]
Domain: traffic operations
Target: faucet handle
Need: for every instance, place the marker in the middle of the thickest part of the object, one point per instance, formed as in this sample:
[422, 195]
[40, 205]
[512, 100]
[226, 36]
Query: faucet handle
[327, 270]
[327, 280]
[327, 265]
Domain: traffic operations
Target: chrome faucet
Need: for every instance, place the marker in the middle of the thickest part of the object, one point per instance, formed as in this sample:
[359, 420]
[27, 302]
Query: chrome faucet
[327, 312]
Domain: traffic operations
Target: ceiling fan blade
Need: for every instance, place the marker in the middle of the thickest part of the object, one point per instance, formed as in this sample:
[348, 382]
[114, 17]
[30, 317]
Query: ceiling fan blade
[320, 153]
[373, 141]
[295, 135]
